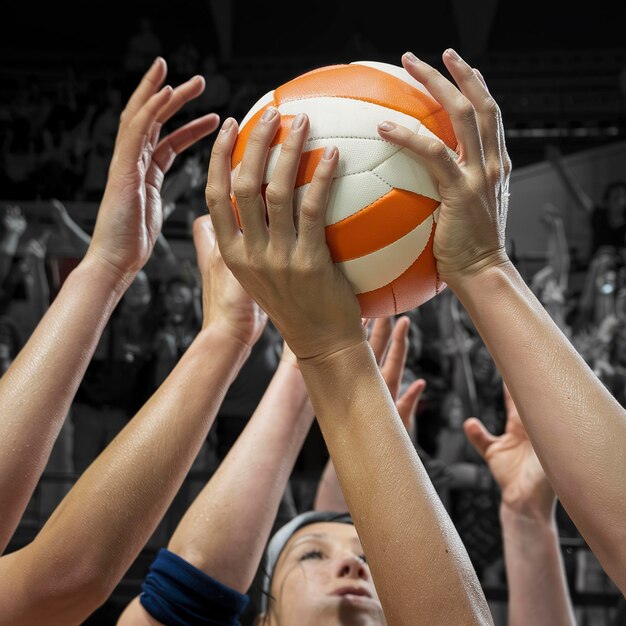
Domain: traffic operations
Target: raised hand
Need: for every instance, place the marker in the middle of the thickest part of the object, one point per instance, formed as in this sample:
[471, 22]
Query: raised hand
[474, 182]
[130, 216]
[513, 463]
[389, 342]
[290, 274]
[13, 220]
[225, 303]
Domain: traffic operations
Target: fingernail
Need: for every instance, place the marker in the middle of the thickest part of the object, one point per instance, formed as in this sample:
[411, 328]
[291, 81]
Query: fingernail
[453, 53]
[228, 124]
[387, 126]
[409, 56]
[329, 153]
[157, 61]
[298, 120]
[269, 114]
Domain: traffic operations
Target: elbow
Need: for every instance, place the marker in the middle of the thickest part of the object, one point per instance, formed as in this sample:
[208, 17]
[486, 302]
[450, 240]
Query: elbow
[68, 592]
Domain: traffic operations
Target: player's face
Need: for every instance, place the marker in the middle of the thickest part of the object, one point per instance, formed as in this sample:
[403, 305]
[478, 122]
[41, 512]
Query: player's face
[321, 579]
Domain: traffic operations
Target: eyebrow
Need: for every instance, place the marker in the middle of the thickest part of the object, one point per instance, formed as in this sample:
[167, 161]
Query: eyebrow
[323, 537]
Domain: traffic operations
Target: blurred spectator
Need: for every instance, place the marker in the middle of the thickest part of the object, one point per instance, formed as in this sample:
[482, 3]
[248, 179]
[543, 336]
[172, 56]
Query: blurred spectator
[100, 149]
[184, 60]
[13, 227]
[550, 283]
[120, 376]
[608, 217]
[177, 327]
[143, 46]
[217, 94]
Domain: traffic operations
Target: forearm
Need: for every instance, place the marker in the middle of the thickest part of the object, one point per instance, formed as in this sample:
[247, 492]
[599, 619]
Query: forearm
[575, 425]
[40, 385]
[329, 496]
[113, 509]
[402, 524]
[538, 592]
[225, 530]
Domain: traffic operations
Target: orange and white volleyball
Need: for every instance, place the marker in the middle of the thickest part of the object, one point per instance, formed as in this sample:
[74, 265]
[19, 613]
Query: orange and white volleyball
[383, 206]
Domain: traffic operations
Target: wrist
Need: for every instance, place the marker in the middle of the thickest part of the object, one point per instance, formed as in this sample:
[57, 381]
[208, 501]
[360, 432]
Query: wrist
[97, 271]
[527, 515]
[107, 271]
[344, 356]
[486, 265]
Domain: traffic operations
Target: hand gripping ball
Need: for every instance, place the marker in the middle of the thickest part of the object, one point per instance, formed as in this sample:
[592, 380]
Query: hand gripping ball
[383, 205]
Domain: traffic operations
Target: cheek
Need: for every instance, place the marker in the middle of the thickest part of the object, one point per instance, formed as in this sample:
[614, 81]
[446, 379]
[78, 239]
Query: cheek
[302, 586]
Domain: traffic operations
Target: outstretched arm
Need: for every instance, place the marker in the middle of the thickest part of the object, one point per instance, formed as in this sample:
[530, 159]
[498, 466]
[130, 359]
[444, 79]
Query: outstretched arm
[37, 390]
[389, 342]
[538, 592]
[105, 520]
[226, 529]
[576, 427]
[290, 273]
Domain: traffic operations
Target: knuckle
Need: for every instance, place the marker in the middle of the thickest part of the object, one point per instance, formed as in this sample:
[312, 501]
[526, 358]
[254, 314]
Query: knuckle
[437, 149]
[466, 111]
[245, 188]
[212, 194]
[276, 194]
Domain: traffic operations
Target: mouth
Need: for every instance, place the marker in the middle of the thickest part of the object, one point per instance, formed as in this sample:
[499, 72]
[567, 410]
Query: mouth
[352, 591]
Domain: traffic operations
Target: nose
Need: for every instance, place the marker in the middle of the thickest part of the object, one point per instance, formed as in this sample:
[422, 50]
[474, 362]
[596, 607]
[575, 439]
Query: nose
[352, 567]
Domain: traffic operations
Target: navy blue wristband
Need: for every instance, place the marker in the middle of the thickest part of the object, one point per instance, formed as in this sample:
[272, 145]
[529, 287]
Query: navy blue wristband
[178, 594]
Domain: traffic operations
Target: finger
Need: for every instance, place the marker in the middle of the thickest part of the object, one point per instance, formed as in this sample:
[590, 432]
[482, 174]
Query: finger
[149, 85]
[380, 337]
[217, 192]
[140, 130]
[395, 359]
[171, 146]
[203, 240]
[456, 104]
[279, 191]
[474, 88]
[408, 401]
[311, 220]
[182, 94]
[249, 180]
[501, 143]
[478, 435]
[436, 157]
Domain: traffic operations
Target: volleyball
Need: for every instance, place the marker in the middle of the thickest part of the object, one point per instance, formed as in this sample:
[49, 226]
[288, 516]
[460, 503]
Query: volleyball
[384, 204]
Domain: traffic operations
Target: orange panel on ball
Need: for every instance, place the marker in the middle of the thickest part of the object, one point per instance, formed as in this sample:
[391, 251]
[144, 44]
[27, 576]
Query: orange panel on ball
[360, 82]
[377, 225]
[419, 283]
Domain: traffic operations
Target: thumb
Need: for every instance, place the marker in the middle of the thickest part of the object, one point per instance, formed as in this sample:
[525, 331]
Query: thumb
[478, 435]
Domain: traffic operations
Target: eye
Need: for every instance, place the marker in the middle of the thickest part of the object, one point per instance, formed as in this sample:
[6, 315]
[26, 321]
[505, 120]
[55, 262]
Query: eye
[312, 554]
[363, 558]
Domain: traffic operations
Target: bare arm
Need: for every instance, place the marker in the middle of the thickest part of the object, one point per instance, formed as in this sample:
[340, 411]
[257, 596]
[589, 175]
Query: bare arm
[390, 346]
[122, 496]
[576, 427]
[322, 325]
[537, 587]
[242, 498]
[36, 392]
